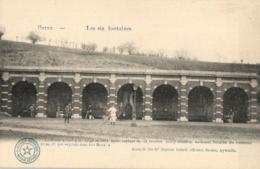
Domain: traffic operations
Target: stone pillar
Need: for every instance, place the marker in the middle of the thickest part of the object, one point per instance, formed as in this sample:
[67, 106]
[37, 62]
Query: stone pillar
[6, 98]
[41, 103]
[148, 99]
[253, 117]
[112, 98]
[183, 100]
[6, 95]
[76, 98]
[218, 115]
[76, 102]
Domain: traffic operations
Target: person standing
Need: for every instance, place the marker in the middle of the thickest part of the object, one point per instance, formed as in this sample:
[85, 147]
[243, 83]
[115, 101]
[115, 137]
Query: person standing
[67, 113]
[106, 115]
[112, 115]
[32, 110]
[90, 113]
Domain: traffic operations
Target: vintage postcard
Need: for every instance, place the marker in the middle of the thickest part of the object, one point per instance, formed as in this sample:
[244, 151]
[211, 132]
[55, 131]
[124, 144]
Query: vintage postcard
[138, 84]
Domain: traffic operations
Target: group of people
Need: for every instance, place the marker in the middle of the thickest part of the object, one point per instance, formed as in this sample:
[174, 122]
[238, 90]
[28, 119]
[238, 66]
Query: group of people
[111, 114]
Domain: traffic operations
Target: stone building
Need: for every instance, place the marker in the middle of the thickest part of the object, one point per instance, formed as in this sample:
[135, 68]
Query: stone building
[179, 95]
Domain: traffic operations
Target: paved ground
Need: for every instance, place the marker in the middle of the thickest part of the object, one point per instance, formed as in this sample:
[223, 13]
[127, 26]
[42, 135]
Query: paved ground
[12, 128]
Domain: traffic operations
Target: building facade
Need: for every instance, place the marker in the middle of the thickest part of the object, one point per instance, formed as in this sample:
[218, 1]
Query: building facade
[156, 94]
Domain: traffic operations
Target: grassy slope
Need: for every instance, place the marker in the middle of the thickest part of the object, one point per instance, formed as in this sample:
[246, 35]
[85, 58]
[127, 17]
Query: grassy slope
[18, 53]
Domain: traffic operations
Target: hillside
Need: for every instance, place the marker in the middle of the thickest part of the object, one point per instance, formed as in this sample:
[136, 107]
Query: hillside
[24, 54]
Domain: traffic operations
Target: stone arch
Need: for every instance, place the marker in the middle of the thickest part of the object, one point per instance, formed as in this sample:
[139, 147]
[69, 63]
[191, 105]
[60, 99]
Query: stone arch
[156, 83]
[200, 104]
[94, 100]
[235, 105]
[53, 80]
[165, 103]
[16, 79]
[59, 94]
[23, 99]
[86, 81]
[128, 99]
[191, 85]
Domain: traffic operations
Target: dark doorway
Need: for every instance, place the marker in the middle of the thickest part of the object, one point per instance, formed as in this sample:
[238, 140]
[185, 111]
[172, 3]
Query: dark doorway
[200, 104]
[23, 97]
[235, 105]
[165, 103]
[59, 95]
[127, 96]
[94, 101]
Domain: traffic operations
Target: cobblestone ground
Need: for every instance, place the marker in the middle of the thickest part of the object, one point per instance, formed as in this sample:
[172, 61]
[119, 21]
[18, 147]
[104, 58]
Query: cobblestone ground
[13, 128]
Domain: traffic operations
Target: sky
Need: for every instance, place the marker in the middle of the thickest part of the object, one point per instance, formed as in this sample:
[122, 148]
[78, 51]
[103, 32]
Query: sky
[209, 30]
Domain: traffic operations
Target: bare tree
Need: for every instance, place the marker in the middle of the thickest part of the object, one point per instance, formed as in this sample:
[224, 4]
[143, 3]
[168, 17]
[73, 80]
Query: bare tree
[128, 47]
[90, 47]
[121, 49]
[2, 31]
[105, 49]
[34, 37]
[182, 55]
[161, 53]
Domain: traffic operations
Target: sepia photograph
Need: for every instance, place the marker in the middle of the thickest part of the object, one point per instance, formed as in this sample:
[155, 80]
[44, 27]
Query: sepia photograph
[133, 84]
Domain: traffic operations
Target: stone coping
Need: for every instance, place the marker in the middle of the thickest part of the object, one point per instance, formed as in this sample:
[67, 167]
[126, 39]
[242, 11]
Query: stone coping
[134, 71]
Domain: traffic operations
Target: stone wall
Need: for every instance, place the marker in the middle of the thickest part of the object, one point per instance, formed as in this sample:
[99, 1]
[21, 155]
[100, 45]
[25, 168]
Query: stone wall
[147, 80]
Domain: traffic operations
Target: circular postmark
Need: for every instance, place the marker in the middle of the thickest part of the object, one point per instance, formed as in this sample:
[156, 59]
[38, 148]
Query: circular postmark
[27, 150]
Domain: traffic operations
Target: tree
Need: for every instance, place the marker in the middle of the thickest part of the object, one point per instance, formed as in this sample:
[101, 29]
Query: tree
[2, 31]
[105, 49]
[90, 47]
[34, 37]
[182, 55]
[128, 47]
[161, 53]
[120, 49]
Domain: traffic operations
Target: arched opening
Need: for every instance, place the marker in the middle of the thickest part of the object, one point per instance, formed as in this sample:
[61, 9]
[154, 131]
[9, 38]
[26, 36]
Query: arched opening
[235, 105]
[165, 103]
[59, 95]
[94, 101]
[200, 104]
[128, 98]
[23, 99]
